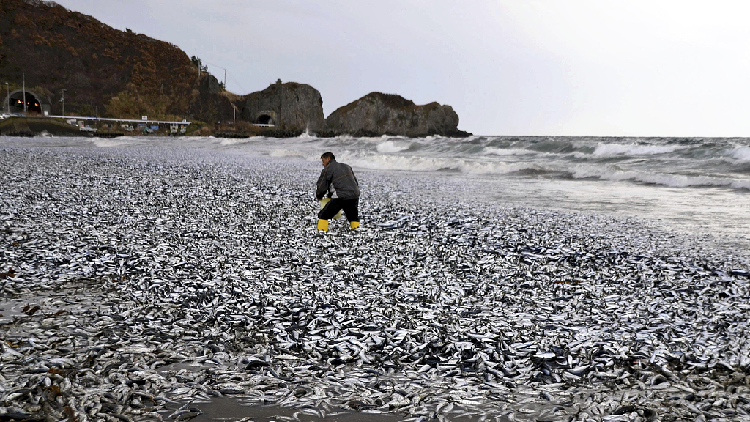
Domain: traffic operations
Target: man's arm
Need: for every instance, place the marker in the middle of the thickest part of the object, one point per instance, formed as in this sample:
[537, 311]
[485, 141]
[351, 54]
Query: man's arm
[322, 186]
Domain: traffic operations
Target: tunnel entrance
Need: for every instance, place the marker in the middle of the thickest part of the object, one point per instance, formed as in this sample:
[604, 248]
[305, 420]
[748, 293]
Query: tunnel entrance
[265, 119]
[15, 102]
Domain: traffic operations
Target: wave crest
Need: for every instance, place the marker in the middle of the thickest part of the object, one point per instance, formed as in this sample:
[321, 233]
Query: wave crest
[609, 150]
[663, 179]
[741, 153]
[392, 146]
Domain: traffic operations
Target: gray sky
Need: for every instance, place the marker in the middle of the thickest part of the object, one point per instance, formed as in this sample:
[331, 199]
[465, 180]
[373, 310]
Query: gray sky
[515, 67]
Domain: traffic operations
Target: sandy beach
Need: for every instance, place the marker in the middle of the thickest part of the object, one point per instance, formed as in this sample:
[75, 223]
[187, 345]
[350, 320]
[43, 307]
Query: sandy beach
[172, 283]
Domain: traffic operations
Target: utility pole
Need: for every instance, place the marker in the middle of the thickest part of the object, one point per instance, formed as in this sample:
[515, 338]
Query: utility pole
[7, 97]
[24, 93]
[225, 74]
[281, 99]
[62, 100]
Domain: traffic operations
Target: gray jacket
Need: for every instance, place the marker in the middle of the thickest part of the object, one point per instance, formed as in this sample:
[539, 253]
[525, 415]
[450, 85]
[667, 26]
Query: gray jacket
[337, 180]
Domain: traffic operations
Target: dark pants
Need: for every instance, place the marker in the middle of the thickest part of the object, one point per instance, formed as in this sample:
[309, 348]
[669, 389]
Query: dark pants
[337, 204]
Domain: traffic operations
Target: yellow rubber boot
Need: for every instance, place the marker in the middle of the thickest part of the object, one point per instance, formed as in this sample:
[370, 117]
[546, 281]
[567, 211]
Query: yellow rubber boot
[323, 225]
[354, 224]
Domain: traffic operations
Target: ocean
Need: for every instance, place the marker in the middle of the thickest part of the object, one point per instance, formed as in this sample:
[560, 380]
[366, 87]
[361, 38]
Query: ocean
[697, 186]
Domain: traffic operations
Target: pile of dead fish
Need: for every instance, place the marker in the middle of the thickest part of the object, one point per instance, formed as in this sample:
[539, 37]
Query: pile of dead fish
[135, 280]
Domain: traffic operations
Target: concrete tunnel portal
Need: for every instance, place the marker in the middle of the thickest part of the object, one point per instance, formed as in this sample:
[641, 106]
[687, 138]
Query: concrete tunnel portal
[14, 102]
[264, 119]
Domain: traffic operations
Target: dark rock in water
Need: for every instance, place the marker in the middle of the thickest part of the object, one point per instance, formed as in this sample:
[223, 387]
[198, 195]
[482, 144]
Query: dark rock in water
[278, 133]
[287, 106]
[378, 114]
[231, 135]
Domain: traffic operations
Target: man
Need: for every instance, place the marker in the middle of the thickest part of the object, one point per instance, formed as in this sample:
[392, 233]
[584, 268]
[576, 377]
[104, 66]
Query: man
[337, 182]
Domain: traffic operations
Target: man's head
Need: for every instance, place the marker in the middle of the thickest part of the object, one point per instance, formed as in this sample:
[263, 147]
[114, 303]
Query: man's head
[327, 157]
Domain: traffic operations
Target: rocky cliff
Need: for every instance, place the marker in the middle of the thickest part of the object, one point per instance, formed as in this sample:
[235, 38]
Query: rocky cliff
[102, 69]
[378, 114]
[213, 104]
[113, 73]
[288, 106]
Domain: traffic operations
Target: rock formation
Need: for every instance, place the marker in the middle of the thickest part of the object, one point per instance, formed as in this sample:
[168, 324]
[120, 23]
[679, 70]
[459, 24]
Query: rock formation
[111, 73]
[378, 114]
[213, 105]
[102, 69]
[288, 106]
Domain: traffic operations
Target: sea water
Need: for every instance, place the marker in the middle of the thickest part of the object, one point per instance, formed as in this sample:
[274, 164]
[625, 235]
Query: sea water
[699, 186]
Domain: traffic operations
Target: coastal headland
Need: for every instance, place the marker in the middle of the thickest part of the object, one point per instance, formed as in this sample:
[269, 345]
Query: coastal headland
[73, 64]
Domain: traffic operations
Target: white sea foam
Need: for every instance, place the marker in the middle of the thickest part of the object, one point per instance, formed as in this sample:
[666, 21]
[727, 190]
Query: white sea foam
[114, 142]
[607, 150]
[460, 156]
[670, 180]
[392, 146]
[234, 141]
[494, 167]
[397, 162]
[741, 153]
[306, 135]
[507, 151]
[428, 164]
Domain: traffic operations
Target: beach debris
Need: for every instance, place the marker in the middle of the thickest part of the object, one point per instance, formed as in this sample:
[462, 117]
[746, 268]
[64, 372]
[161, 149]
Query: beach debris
[147, 281]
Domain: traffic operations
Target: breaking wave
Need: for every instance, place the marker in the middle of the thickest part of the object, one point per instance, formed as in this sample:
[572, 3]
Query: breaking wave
[742, 153]
[670, 162]
[662, 179]
[522, 163]
[632, 150]
[393, 146]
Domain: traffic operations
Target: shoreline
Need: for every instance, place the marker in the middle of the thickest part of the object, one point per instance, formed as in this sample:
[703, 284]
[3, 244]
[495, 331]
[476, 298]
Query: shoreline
[148, 257]
[710, 215]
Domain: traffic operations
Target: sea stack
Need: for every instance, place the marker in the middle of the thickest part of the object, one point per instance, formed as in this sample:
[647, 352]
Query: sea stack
[287, 106]
[378, 114]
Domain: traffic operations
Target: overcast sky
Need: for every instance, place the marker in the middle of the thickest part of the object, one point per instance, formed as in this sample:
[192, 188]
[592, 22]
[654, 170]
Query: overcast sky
[516, 67]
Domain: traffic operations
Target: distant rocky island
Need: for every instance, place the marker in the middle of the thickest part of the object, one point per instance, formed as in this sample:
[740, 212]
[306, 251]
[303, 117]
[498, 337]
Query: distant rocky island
[385, 114]
[102, 71]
